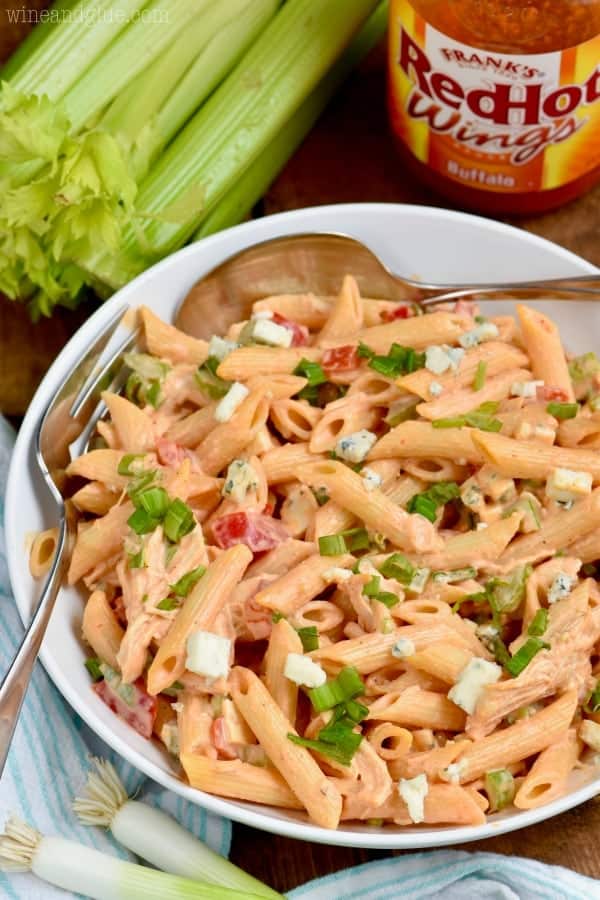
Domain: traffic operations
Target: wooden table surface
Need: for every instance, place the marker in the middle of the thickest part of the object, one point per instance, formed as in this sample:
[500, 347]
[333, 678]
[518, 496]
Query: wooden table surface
[348, 157]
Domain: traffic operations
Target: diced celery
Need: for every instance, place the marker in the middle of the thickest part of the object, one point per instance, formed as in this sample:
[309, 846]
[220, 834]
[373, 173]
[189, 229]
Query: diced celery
[500, 788]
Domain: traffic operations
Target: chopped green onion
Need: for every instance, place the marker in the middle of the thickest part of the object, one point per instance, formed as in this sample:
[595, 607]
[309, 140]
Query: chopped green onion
[342, 736]
[139, 484]
[346, 686]
[309, 637]
[145, 381]
[312, 371]
[583, 367]
[136, 560]
[126, 462]
[423, 506]
[593, 702]
[185, 584]
[168, 604]
[341, 754]
[350, 682]
[374, 823]
[500, 651]
[399, 567]
[371, 589]
[507, 595]
[500, 788]
[155, 501]
[209, 382]
[480, 597]
[524, 655]
[356, 539]
[456, 422]
[480, 376]
[489, 408]
[388, 598]
[178, 521]
[93, 664]
[563, 410]
[326, 696]
[481, 418]
[142, 522]
[539, 623]
[170, 551]
[321, 495]
[365, 352]
[427, 502]
[277, 617]
[401, 411]
[332, 545]
[455, 575]
[356, 711]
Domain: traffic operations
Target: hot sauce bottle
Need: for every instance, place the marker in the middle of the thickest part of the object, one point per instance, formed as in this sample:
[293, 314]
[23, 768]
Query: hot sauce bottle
[496, 103]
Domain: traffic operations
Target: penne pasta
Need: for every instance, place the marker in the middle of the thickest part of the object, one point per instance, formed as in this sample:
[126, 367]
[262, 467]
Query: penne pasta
[101, 629]
[42, 552]
[347, 489]
[295, 764]
[198, 613]
[519, 741]
[239, 780]
[287, 589]
[417, 332]
[542, 339]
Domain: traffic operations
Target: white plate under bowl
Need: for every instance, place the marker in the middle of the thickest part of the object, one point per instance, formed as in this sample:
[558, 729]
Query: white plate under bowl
[433, 243]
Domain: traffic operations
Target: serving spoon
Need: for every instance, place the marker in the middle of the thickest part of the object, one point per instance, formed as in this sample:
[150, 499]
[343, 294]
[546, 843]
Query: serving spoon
[316, 263]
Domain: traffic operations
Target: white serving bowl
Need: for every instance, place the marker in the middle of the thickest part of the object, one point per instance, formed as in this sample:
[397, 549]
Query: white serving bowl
[435, 244]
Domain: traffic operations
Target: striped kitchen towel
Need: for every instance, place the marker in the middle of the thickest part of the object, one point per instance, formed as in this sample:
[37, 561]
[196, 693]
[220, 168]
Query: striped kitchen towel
[451, 875]
[48, 761]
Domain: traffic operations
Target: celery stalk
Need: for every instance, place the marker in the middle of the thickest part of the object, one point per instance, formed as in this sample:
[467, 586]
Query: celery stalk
[168, 92]
[130, 53]
[248, 190]
[34, 39]
[68, 51]
[233, 128]
[215, 62]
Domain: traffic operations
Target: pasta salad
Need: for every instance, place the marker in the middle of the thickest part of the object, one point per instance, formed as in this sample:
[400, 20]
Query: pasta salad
[342, 559]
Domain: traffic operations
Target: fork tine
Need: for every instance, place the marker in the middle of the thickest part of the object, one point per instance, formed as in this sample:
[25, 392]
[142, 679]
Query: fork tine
[122, 338]
[79, 446]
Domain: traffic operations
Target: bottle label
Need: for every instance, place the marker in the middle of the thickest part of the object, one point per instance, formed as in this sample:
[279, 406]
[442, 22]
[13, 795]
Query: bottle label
[511, 123]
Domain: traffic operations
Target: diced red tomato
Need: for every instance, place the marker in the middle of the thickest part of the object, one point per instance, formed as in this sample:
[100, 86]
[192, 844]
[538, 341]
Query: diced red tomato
[300, 332]
[549, 393]
[140, 713]
[220, 738]
[341, 359]
[401, 312]
[171, 454]
[257, 531]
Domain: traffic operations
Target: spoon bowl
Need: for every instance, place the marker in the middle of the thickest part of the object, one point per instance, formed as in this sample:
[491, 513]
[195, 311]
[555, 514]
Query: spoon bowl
[316, 263]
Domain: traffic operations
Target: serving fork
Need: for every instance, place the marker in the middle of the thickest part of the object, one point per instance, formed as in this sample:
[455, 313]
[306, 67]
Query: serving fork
[63, 434]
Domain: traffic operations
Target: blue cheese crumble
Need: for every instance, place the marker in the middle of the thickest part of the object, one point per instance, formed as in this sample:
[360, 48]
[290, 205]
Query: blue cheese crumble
[240, 479]
[354, 447]
[561, 587]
